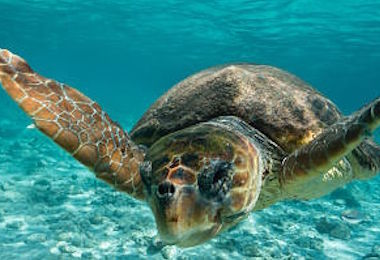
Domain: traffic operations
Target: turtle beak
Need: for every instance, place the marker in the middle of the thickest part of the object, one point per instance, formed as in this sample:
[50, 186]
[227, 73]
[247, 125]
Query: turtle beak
[181, 217]
[165, 209]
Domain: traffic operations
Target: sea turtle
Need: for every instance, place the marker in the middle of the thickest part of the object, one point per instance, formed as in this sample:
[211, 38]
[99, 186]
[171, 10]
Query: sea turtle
[224, 142]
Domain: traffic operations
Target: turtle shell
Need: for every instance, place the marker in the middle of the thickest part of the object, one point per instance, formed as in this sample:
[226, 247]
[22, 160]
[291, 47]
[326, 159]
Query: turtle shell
[275, 102]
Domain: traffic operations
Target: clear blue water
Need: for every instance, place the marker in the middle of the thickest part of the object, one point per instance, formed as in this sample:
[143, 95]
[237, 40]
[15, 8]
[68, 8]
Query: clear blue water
[125, 54]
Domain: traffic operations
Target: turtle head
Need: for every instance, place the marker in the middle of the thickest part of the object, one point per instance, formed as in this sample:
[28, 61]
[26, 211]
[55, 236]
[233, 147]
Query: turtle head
[202, 180]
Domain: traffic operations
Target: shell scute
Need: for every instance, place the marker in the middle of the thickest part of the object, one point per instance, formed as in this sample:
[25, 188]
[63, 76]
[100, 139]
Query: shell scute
[277, 103]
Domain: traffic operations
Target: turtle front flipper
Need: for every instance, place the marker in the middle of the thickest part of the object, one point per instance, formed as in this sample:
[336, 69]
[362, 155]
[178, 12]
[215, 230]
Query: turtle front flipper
[76, 123]
[323, 165]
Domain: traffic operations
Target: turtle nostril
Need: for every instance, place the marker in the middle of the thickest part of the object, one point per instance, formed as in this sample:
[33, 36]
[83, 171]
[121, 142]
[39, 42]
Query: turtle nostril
[165, 190]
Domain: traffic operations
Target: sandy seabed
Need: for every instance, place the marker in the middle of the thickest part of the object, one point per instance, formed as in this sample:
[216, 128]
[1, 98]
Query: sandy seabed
[52, 207]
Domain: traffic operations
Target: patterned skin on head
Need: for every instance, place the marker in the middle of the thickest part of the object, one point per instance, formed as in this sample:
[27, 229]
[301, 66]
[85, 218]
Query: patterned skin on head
[204, 180]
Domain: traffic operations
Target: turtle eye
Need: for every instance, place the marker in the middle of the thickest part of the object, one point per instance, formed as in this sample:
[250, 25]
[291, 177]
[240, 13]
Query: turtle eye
[215, 180]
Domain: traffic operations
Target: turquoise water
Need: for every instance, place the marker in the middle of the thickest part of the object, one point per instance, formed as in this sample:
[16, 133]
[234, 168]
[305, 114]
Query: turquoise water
[125, 54]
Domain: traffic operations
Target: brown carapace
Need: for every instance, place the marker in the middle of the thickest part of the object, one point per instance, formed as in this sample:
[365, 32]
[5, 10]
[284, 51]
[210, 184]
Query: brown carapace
[220, 144]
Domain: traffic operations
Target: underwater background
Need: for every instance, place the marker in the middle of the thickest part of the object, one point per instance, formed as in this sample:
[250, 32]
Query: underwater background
[124, 55]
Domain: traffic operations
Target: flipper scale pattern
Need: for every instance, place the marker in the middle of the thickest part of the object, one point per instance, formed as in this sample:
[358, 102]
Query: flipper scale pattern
[74, 122]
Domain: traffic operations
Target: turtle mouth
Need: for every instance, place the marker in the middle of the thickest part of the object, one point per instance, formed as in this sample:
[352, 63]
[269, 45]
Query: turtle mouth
[185, 230]
[176, 231]
[184, 217]
[191, 237]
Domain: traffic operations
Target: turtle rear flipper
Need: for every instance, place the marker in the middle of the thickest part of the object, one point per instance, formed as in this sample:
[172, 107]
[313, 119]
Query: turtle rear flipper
[74, 122]
[322, 165]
